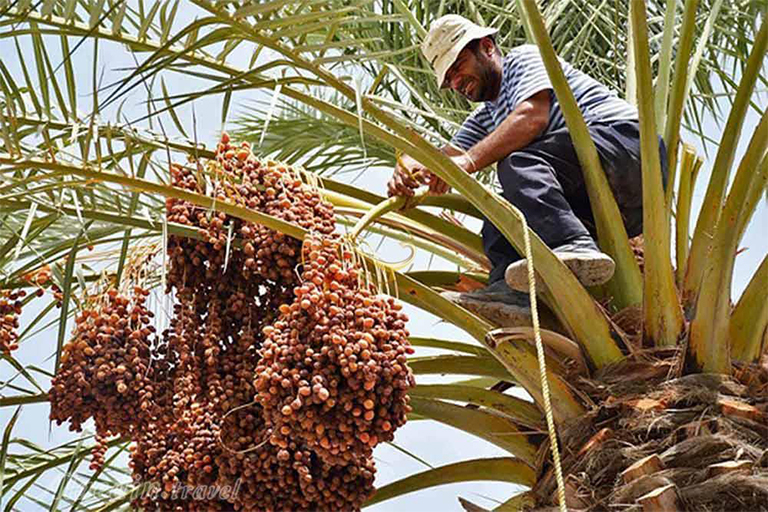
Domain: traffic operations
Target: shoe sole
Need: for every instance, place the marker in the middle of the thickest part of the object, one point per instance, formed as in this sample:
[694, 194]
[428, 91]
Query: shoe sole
[589, 270]
[498, 313]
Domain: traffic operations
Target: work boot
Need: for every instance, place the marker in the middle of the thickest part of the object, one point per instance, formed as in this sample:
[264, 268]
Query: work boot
[591, 266]
[497, 303]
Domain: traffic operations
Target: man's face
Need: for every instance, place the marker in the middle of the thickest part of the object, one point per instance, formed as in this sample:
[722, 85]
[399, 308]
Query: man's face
[474, 75]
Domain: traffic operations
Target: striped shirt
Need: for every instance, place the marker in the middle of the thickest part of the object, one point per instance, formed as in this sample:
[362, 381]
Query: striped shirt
[523, 76]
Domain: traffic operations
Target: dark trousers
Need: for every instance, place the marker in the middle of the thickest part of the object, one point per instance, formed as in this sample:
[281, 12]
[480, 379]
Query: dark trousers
[544, 180]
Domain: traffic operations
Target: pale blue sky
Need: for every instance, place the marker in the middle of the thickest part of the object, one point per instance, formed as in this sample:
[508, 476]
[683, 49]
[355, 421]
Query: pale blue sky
[435, 443]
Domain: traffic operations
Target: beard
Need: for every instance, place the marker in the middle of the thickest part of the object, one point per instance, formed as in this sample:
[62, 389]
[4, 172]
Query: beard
[488, 80]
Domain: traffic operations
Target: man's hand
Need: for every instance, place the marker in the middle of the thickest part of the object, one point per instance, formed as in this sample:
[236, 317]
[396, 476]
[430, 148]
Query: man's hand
[439, 187]
[408, 175]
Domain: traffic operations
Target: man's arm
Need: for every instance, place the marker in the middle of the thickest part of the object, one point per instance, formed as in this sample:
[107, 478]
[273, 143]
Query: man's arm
[519, 129]
[522, 126]
[449, 150]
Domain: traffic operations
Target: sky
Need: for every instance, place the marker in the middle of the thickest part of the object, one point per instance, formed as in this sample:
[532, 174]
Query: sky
[436, 444]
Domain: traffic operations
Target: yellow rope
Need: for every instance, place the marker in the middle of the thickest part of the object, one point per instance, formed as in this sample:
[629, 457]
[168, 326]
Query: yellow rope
[542, 365]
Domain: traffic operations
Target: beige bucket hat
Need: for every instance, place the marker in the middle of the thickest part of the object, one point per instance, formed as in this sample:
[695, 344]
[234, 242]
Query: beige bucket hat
[447, 36]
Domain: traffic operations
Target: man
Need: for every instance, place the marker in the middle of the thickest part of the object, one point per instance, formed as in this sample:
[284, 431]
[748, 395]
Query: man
[520, 127]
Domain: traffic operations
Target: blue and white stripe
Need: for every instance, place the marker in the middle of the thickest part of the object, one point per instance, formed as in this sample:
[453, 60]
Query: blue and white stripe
[523, 76]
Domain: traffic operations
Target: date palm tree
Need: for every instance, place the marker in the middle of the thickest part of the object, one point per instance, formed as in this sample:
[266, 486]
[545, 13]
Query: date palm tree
[654, 394]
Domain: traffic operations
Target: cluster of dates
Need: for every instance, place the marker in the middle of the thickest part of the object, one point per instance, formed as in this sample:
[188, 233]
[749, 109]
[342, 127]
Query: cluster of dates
[280, 370]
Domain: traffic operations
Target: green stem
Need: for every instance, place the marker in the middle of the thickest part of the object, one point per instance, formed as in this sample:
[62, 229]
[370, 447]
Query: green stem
[521, 356]
[689, 170]
[708, 348]
[23, 399]
[494, 428]
[751, 196]
[388, 205]
[499, 469]
[520, 411]
[748, 327]
[453, 202]
[713, 199]
[677, 100]
[665, 64]
[661, 308]
[452, 236]
[458, 365]
[626, 285]
[434, 243]
[446, 278]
